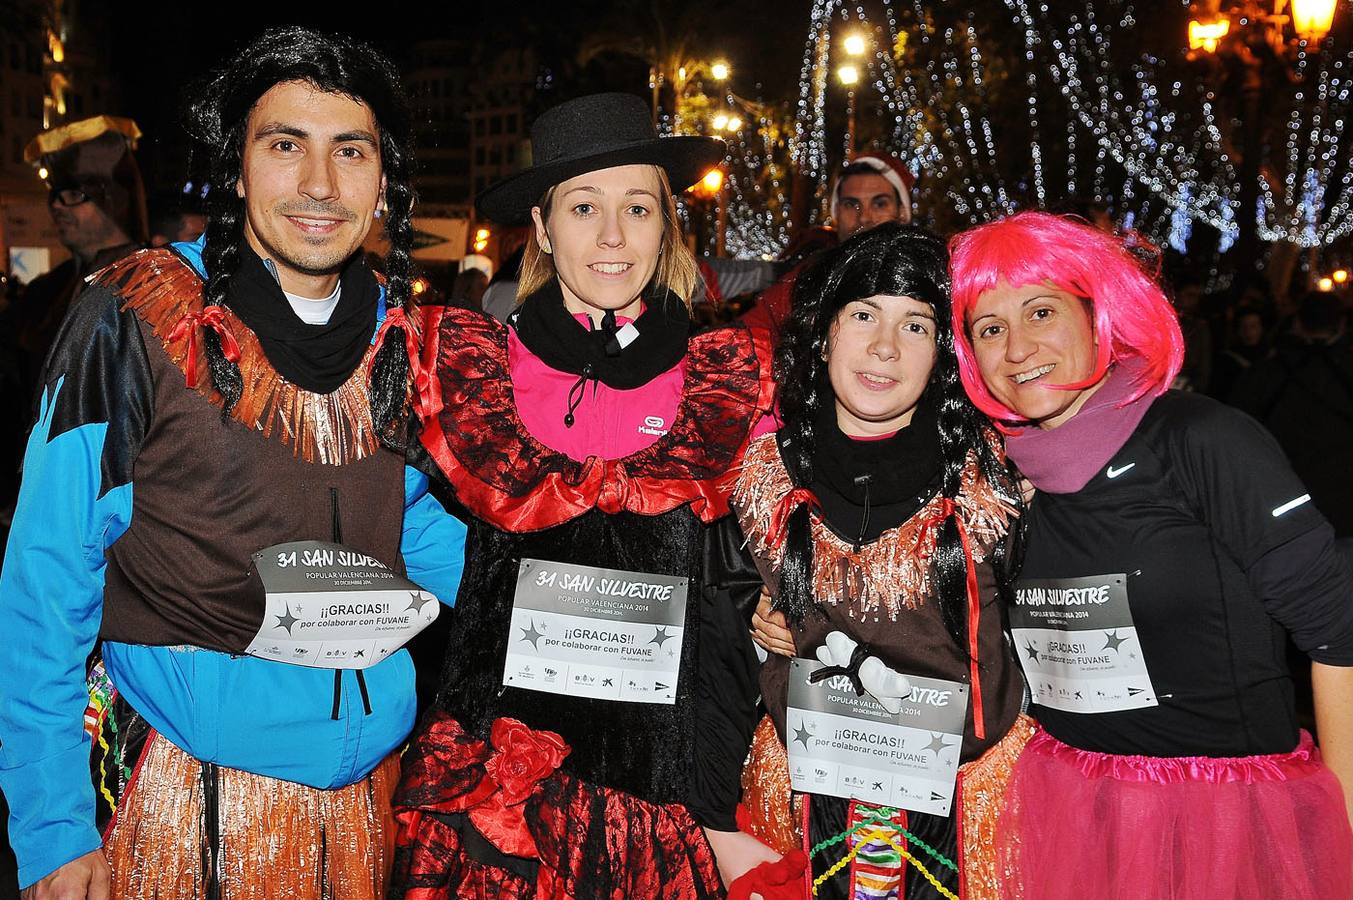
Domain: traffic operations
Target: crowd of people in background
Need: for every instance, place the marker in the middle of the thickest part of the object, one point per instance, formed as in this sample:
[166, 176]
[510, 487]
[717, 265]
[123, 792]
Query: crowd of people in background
[851, 465]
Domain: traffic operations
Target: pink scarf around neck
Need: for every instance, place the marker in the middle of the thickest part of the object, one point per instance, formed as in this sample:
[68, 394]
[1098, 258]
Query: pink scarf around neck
[1062, 460]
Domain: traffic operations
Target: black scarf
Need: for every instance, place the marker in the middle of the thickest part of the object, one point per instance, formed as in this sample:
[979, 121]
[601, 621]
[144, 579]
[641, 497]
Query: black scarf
[549, 331]
[317, 358]
[867, 487]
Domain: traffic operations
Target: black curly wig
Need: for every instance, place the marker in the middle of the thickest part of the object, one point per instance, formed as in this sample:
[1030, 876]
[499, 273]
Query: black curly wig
[890, 260]
[216, 119]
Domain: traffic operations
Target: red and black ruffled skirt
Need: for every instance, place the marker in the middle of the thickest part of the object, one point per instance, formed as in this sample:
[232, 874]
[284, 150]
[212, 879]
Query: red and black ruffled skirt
[500, 819]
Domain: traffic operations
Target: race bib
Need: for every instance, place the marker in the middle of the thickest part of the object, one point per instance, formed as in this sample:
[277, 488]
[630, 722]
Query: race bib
[1078, 646]
[334, 608]
[846, 745]
[591, 632]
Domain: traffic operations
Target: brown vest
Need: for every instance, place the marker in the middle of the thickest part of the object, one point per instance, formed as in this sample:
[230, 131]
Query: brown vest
[208, 492]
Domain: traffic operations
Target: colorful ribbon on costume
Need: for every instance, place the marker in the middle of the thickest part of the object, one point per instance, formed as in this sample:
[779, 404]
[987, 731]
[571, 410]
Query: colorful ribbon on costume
[880, 817]
[397, 318]
[885, 835]
[947, 509]
[779, 519]
[212, 317]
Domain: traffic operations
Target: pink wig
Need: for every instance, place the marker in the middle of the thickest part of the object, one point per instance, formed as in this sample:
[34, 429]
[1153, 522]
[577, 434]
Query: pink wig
[1037, 248]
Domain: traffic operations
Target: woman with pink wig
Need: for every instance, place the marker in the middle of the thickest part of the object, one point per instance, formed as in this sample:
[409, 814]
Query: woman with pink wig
[1170, 555]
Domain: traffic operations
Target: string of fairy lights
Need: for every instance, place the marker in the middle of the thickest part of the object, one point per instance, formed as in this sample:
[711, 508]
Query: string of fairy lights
[1139, 134]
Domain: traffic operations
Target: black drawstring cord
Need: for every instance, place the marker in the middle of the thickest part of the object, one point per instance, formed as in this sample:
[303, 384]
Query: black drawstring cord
[863, 481]
[338, 523]
[575, 394]
[338, 539]
[851, 670]
[361, 686]
[609, 326]
[211, 812]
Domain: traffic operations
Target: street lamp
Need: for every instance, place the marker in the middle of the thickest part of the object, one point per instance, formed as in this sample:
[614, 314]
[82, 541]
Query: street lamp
[719, 71]
[1206, 35]
[854, 44]
[1312, 18]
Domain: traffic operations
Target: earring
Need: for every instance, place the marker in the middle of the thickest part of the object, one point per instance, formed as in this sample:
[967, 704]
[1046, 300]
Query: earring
[379, 212]
[546, 247]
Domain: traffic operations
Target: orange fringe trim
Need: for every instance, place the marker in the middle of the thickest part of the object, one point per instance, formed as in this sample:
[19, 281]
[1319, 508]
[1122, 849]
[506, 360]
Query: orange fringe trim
[278, 838]
[772, 809]
[981, 797]
[332, 429]
[886, 575]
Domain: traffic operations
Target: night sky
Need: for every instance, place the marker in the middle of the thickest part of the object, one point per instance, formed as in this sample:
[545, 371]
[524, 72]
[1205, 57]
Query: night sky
[155, 73]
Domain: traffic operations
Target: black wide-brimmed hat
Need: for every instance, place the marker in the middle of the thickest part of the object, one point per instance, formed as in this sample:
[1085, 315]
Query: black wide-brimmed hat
[599, 131]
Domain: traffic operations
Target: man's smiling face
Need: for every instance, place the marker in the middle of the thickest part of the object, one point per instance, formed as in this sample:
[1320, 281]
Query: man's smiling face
[311, 181]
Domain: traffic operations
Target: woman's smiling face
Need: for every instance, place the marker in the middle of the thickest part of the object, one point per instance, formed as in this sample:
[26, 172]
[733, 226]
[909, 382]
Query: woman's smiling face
[604, 232]
[1029, 340]
[880, 351]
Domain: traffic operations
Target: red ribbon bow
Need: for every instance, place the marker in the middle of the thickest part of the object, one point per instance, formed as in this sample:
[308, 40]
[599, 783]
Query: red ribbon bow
[779, 518]
[397, 318]
[947, 509]
[212, 317]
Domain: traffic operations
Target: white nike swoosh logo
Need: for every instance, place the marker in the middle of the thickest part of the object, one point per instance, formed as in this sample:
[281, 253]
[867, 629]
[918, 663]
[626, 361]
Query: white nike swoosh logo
[1114, 473]
[1291, 505]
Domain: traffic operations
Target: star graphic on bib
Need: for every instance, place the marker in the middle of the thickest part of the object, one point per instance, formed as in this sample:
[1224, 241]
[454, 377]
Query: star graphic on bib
[802, 735]
[660, 636]
[1114, 641]
[531, 635]
[937, 743]
[287, 621]
[1032, 651]
[417, 601]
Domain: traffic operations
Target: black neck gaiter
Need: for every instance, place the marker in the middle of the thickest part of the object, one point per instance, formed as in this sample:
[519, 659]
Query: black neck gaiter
[317, 358]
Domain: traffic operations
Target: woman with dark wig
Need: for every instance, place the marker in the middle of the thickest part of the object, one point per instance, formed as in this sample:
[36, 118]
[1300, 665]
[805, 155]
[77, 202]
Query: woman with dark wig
[879, 515]
[1171, 554]
[597, 697]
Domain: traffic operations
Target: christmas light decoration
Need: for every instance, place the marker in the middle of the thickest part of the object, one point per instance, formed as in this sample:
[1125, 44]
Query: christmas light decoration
[1113, 110]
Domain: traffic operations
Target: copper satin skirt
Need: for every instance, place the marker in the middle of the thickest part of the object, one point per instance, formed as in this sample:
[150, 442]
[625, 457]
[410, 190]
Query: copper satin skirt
[275, 838]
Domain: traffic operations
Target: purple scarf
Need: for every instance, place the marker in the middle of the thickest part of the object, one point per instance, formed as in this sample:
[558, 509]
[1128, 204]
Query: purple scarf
[1062, 460]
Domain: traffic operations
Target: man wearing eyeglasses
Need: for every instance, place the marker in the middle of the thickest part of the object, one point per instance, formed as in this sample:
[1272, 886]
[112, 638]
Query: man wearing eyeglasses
[98, 205]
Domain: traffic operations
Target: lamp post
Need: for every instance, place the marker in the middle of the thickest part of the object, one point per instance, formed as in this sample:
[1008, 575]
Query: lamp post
[681, 79]
[854, 45]
[1254, 35]
[849, 76]
[717, 185]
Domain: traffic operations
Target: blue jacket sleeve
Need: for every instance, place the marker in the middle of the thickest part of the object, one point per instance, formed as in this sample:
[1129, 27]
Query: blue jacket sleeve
[433, 544]
[74, 503]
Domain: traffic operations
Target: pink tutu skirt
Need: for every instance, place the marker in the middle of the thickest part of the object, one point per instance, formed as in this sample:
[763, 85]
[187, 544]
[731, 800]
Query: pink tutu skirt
[1095, 826]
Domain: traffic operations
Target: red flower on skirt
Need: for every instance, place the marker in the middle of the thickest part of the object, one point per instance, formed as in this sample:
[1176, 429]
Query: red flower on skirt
[522, 758]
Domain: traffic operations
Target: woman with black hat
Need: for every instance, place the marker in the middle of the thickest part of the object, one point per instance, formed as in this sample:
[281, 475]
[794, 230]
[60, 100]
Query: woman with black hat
[596, 699]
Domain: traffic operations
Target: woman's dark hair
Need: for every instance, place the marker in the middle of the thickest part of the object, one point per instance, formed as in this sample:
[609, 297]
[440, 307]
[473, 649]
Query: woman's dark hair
[899, 261]
[216, 119]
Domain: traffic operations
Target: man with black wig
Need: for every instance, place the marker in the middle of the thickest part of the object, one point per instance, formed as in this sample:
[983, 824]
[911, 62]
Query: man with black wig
[216, 476]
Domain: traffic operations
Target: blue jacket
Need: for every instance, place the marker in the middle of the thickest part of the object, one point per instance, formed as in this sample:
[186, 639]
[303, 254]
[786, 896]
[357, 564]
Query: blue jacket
[238, 711]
